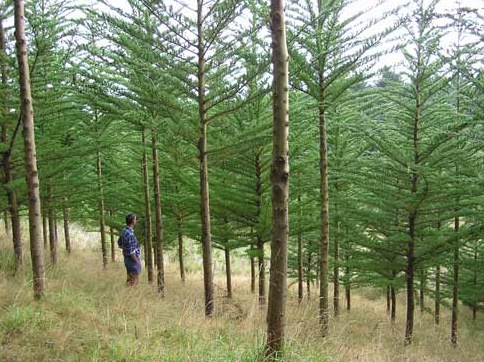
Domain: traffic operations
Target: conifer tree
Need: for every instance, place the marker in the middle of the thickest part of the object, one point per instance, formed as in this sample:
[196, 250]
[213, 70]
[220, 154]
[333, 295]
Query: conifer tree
[327, 53]
[31, 173]
[280, 184]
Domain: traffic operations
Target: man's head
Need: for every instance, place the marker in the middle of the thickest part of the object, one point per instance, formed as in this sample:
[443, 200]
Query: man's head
[131, 219]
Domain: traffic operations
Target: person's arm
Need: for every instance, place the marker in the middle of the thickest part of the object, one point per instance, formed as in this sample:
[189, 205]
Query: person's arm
[133, 245]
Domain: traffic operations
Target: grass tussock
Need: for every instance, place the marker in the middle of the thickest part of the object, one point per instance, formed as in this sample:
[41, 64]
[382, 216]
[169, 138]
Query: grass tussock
[88, 314]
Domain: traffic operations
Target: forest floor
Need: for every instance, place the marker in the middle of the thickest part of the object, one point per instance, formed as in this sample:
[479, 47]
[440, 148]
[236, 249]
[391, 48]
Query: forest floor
[88, 314]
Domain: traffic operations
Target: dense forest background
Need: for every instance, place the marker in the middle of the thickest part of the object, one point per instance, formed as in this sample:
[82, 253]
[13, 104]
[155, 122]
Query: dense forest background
[164, 109]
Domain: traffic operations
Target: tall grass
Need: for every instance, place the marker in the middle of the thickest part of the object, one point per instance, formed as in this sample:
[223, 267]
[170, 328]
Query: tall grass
[88, 314]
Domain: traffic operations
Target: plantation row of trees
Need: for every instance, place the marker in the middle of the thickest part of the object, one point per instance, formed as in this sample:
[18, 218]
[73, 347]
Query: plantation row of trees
[165, 110]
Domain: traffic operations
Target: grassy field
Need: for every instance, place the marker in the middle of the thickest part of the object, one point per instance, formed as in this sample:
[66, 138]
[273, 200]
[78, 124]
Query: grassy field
[89, 315]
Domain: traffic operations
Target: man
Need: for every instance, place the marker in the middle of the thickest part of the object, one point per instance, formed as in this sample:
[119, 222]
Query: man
[131, 250]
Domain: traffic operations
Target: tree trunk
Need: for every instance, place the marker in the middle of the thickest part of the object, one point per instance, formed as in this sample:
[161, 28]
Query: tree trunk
[67, 237]
[51, 222]
[393, 298]
[7, 168]
[324, 200]
[455, 287]
[348, 296]
[324, 242]
[112, 241]
[260, 240]
[262, 271]
[437, 296]
[475, 273]
[147, 223]
[300, 276]
[252, 274]
[102, 221]
[180, 248]
[336, 268]
[45, 229]
[308, 270]
[204, 183]
[389, 301]
[280, 185]
[409, 279]
[423, 278]
[228, 272]
[31, 173]
[412, 217]
[5, 222]
[159, 242]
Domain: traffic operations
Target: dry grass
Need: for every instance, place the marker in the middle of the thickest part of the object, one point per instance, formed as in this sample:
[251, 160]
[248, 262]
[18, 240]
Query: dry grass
[89, 315]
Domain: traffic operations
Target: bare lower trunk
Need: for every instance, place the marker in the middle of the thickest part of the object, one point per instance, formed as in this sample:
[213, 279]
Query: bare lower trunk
[159, 242]
[181, 251]
[31, 173]
[410, 280]
[252, 274]
[300, 277]
[102, 221]
[147, 221]
[6, 157]
[203, 168]
[67, 236]
[437, 296]
[389, 301]
[260, 241]
[308, 270]
[51, 221]
[422, 286]
[280, 186]
[324, 242]
[455, 289]
[45, 230]
[262, 272]
[393, 298]
[228, 272]
[348, 296]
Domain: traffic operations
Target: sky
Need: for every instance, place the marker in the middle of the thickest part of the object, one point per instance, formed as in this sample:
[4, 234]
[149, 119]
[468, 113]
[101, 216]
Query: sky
[359, 5]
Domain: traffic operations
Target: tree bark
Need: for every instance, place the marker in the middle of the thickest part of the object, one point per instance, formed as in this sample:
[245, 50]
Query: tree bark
[159, 242]
[324, 217]
[389, 301]
[300, 276]
[204, 183]
[455, 288]
[228, 272]
[336, 307]
[280, 185]
[67, 236]
[422, 286]
[181, 250]
[324, 199]
[6, 156]
[260, 240]
[51, 223]
[31, 173]
[252, 274]
[102, 221]
[437, 296]
[309, 269]
[393, 298]
[45, 228]
[262, 271]
[147, 221]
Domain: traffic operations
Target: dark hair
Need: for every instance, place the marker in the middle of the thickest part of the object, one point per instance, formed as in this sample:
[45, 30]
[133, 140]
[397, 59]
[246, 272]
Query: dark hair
[130, 218]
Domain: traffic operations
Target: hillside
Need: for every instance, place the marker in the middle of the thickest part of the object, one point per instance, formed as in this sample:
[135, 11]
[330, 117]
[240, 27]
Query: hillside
[89, 315]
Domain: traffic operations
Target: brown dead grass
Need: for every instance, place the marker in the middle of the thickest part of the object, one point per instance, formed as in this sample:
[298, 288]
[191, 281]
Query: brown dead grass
[88, 314]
